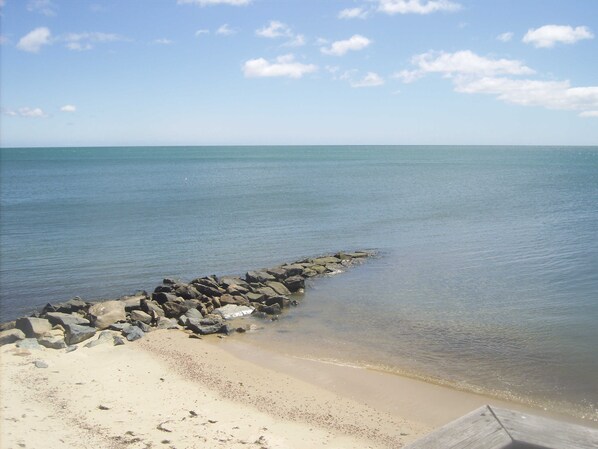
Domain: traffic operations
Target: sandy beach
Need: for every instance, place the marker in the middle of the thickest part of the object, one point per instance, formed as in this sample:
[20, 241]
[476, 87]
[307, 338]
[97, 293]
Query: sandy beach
[169, 390]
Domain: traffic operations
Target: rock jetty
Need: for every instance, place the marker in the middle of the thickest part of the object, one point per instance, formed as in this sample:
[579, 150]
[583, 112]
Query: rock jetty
[206, 305]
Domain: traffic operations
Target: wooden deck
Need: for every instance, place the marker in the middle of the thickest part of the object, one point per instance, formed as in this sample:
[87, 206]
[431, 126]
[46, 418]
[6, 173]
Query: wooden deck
[497, 428]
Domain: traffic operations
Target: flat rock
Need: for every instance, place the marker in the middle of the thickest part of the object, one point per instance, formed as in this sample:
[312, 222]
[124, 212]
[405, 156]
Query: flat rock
[325, 260]
[40, 364]
[118, 341]
[33, 327]
[207, 326]
[76, 333]
[294, 283]
[231, 311]
[279, 288]
[273, 309]
[105, 313]
[103, 337]
[293, 269]
[52, 342]
[28, 343]
[7, 325]
[194, 313]
[133, 333]
[140, 315]
[259, 276]
[62, 319]
[10, 336]
[167, 323]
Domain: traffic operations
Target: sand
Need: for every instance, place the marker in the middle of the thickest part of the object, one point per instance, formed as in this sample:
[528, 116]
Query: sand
[168, 390]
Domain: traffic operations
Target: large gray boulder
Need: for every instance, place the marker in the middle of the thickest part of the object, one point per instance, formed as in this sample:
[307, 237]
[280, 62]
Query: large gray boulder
[207, 326]
[279, 288]
[10, 336]
[52, 341]
[140, 315]
[103, 314]
[294, 283]
[133, 333]
[33, 327]
[259, 276]
[231, 311]
[75, 333]
[62, 319]
[28, 343]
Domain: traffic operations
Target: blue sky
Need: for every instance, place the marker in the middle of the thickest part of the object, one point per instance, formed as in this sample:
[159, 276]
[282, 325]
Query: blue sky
[212, 72]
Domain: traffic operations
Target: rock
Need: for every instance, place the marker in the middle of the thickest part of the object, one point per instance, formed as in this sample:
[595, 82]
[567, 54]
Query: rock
[72, 305]
[75, 333]
[173, 309]
[318, 269]
[309, 273]
[118, 341]
[140, 315]
[276, 300]
[166, 323]
[40, 364]
[194, 313]
[52, 342]
[132, 302]
[294, 283]
[235, 300]
[184, 319]
[103, 337]
[71, 348]
[325, 260]
[278, 273]
[62, 319]
[267, 291]
[279, 288]
[133, 333]
[164, 289]
[334, 268]
[162, 297]
[187, 292]
[119, 327]
[144, 327]
[359, 254]
[256, 297]
[28, 343]
[293, 269]
[104, 314]
[208, 290]
[10, 336]
[231, 311]
[33, 327]
[207, 326]
[259, 276]
[274, 309]
[149, 306]
[7, 326]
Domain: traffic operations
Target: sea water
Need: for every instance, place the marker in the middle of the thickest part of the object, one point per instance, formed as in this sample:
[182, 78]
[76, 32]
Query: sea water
[486, 277]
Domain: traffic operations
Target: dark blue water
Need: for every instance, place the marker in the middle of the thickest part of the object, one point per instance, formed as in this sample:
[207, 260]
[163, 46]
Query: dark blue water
[488, 268]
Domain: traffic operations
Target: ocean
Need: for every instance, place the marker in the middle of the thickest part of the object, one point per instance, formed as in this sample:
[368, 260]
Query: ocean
[486, 277]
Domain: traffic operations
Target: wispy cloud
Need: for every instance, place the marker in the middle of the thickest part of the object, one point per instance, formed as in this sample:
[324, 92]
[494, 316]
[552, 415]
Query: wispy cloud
[68, 108]
[26, 112]
[505, 37]
[34, 40]
[549, 35]
[474, 74]
[225, 30]
[354, 43]
[353, 13]
[416, 6]
[201, 32]
[163, 41]
[214, 2]
[586, 114]
[276, 29]
[45, 7]
[86, 41]
[283, 66]
[371, 79]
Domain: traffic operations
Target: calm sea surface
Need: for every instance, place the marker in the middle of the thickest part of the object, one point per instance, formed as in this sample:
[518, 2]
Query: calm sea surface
[487, 276]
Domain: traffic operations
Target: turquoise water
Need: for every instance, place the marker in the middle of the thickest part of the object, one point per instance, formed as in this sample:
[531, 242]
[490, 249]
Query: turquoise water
[488, 269]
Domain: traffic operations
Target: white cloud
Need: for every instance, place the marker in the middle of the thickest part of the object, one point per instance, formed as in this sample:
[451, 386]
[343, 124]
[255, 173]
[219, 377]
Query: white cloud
[505, 37]
[214, 2]
[371, 79]
[296, 41]
[354, 43]
[274, 29]
[548, 35]
[3, 39]
[474, 74]
[285, 66]
[163, 41]
[200, 32]
[589, 114]
[225, 30]
[84, 41]
[68, 108]
[45, 7]
[416, 6]
[26, 112]
[463, 62]
[353, 13]
[34, 40]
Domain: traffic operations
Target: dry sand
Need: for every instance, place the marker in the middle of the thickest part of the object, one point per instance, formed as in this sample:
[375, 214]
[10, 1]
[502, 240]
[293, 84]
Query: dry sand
[168, 390]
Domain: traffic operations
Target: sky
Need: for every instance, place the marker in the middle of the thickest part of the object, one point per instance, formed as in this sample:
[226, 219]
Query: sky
[298, 72]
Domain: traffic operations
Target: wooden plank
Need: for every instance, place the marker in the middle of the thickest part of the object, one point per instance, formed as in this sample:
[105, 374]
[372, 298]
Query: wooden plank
[544, 432]
[476, 430]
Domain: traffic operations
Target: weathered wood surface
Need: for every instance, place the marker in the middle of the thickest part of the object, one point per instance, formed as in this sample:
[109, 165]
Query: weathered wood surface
[496, 428]
[476, 430]
[544, 432]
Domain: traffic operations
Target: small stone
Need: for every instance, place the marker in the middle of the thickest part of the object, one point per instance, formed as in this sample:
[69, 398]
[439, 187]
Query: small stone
[118, 341]
[40, 364]
[52, 342]
[133, 333]
[28, 343]
[71, 348]
[10, 336]
[103, 407]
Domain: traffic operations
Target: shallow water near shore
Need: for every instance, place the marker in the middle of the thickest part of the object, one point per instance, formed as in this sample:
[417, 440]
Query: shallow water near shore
[487, 274]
